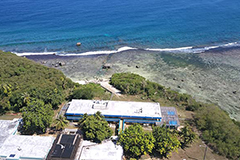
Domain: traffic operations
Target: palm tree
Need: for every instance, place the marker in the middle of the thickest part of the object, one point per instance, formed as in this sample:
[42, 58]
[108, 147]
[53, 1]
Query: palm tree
[187, 136]
[82, 120]
[26, 97]
[61, 122]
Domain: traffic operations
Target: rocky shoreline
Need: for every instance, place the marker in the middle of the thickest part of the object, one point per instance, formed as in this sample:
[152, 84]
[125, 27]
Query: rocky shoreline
[212, 76]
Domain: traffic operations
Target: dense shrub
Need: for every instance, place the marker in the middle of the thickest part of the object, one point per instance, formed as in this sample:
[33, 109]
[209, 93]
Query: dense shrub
[219, 131]
[130, 83]
[88, 91]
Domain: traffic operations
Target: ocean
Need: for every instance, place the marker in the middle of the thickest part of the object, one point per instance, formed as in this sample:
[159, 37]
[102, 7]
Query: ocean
[110, 26]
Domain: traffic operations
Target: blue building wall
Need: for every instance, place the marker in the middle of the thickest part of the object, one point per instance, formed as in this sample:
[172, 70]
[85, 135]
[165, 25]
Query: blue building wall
[116, 118]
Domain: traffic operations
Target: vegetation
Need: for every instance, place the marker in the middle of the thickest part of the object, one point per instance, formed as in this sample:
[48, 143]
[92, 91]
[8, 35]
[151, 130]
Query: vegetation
[37, 116]
[219, 131]
[61, 122]
[136, 142]
[22, 80]
[88, 91]
[166, 141]
[95, 127]
[187, 136]
[130, 83]
[161, 140]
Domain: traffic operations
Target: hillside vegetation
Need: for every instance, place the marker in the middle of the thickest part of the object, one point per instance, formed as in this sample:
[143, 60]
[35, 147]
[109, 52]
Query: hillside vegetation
[217, 129]
[134, 84]
[22, 80]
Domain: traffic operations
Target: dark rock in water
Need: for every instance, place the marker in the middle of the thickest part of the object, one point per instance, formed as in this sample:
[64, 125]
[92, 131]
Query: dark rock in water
[62, 63]
[199, 86]
[234, 92]
[106, 66]
[182, 80]
[174, 79]
[179, 86]
[137, 66]
[128, 65]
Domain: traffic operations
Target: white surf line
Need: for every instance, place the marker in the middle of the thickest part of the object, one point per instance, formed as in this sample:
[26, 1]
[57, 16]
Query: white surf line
[33, 53]
[98, 52]
[169, 49]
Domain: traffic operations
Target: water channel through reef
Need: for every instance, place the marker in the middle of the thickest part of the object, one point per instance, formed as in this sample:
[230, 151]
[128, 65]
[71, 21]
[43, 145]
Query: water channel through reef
[212, 76]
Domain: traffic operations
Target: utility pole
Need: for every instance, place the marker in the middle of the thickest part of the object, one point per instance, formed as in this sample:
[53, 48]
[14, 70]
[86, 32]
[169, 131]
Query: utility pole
[205, 152]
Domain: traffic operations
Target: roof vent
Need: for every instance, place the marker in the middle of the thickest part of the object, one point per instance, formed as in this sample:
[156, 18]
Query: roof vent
[99, 105]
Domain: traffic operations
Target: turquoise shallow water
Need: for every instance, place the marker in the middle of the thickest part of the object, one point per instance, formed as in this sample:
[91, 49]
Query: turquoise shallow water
[57, 25]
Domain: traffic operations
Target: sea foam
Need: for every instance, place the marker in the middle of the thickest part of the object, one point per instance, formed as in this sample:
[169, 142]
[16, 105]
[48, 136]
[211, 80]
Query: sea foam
[189, 49]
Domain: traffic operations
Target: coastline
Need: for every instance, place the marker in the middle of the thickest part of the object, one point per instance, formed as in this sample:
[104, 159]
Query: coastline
[188, 49]
[211, 76]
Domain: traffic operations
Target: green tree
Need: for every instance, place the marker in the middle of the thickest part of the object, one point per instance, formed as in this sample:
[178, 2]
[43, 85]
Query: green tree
[61, 122]
[95, 127]
[166, 141]
[37, 116]
[136, 142]
[82, 93]
[187, 136]
[87, 91]
[128, 83]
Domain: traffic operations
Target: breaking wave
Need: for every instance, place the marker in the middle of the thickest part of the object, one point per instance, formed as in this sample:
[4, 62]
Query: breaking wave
[126, 48]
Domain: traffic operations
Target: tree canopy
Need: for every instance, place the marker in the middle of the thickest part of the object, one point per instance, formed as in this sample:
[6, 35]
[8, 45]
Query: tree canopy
[166, 141]
[136, 142]
[187, 136]
[61, 122]
[37, 116]
[22, 79]
[130, 83]
[88, 91]
[95, 127]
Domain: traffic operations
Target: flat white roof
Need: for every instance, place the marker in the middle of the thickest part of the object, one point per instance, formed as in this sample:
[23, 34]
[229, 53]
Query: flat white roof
[118, 108]
[20, 146]
[7, 128]
[104, 151]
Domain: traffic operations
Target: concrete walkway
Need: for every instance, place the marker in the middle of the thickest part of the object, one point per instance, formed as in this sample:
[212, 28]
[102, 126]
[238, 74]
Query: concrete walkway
[110, 88]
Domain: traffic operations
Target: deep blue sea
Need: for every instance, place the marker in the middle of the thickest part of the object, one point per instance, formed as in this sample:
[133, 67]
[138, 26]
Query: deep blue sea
[57, 25]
